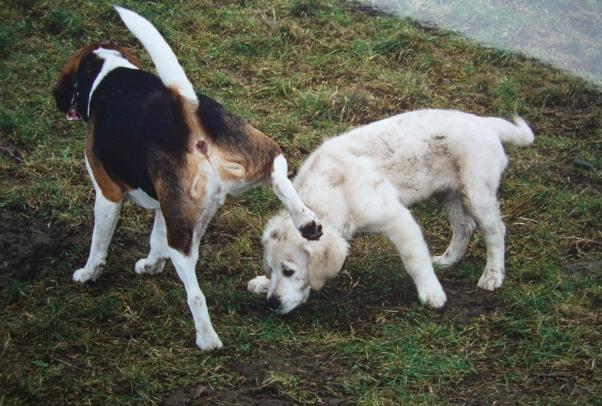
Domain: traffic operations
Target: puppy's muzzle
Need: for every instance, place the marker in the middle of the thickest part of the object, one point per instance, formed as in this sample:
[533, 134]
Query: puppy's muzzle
[274, 302]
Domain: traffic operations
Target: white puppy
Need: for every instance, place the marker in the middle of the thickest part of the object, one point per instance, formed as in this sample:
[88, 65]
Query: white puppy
[365, 179]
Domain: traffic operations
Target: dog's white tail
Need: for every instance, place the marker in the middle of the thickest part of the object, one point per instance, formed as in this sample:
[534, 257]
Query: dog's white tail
[518, 133]
[166, 63]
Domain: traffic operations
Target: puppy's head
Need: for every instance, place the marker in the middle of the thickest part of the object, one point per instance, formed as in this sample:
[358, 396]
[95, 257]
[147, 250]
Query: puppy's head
[295, 265]
[65, 86]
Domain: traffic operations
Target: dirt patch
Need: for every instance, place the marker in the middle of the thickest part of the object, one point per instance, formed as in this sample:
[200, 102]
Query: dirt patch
[582, 268]
[28, 244]
[263, 379]
[465, 301]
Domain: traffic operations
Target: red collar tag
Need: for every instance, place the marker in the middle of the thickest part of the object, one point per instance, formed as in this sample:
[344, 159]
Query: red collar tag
[72, 114]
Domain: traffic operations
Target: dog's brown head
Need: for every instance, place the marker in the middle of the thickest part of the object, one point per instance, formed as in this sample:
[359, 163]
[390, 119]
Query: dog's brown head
[65, 88]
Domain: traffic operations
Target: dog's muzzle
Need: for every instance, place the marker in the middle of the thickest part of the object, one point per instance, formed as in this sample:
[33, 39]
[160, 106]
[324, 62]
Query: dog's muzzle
[274, 302]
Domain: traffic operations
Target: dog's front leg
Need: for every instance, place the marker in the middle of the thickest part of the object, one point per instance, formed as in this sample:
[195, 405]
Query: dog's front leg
[259, 285]
[404, 232]
[106, 215]
[304, 219]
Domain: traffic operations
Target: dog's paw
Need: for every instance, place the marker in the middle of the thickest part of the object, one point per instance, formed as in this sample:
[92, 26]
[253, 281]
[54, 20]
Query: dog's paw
[259, 285]
[434, 298]
[84, 275]
[210, 341]
[491, 280]
[311, 231]
[144, 266]
[440, 261]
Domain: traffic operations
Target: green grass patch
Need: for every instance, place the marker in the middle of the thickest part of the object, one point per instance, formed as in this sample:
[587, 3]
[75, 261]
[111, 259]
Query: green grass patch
[299, 71]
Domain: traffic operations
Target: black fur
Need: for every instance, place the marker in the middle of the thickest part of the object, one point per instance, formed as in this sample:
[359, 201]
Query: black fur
[134, 114]
[89, 68]
[230, 133]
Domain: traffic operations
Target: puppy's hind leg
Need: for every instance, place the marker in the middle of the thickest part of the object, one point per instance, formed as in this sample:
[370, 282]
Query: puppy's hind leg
[304, 219]
[485, 209]
[463, 227]
[159, 253]
[106, 215]
[405, 233]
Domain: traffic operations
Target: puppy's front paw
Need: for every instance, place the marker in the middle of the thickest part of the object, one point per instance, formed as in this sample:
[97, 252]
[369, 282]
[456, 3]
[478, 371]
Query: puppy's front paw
[144, 266]
[209, 342]
[434, 297]
[259, 285]
[311, 231]
[84, 275]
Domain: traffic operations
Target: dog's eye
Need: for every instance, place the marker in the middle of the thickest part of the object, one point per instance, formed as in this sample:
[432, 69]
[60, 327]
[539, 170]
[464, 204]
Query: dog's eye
[287, 272]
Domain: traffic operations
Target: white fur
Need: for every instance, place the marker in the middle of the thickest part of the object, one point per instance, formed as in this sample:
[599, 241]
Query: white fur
[283, 188]
[364, 180]
[106, 215]
[142, 199]
[166, 63]
[112, 60]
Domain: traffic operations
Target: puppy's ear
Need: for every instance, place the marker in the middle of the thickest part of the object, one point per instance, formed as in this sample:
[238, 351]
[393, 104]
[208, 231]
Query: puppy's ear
[325, 257]
[275, 231]
[266, 268]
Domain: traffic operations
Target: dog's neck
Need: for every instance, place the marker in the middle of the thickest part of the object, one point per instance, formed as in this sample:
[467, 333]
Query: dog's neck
[92, 69]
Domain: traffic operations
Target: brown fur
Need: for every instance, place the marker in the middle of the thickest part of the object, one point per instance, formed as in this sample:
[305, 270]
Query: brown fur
[63, 89]
[110, 189]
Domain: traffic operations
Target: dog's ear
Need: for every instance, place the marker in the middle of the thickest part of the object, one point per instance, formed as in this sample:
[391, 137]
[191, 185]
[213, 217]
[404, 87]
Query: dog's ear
[266, 268]
[63, 90]
[325, 257]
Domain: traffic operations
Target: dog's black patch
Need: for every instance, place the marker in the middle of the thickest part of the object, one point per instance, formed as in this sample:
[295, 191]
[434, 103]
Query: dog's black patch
[134, 113]
[222, 126]
[89, 68]
[231, 133]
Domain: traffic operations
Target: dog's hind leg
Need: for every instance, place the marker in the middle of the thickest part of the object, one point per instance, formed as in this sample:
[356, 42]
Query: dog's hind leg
[463, 227]
[304, 219]
[106, 215]
[159, 253]
[186, 218]
[206, 337]
[485, 209]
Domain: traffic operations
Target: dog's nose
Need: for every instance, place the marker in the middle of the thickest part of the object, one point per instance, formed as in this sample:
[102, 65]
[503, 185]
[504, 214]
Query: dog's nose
[274, 302]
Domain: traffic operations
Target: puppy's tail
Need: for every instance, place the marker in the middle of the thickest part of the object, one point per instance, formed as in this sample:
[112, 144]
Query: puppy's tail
[166, 63]
[519, 133]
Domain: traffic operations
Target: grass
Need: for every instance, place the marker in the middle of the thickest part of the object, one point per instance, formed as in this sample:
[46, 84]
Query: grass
[300, 71]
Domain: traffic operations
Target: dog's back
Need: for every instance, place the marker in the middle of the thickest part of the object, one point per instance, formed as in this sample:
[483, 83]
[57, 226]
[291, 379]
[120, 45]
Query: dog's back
[421, 152]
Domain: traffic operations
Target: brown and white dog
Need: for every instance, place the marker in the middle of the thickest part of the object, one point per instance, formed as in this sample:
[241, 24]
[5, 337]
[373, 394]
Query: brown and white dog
[157, 142]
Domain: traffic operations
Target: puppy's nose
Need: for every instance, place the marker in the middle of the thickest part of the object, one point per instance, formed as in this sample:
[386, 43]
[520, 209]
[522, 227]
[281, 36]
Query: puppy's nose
[274, 302]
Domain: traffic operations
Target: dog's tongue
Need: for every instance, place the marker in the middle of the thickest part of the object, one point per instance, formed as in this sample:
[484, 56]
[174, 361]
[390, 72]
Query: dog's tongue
[72, 114]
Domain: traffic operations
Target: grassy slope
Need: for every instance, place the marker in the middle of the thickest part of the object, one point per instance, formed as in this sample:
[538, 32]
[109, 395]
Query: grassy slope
[300, 71]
